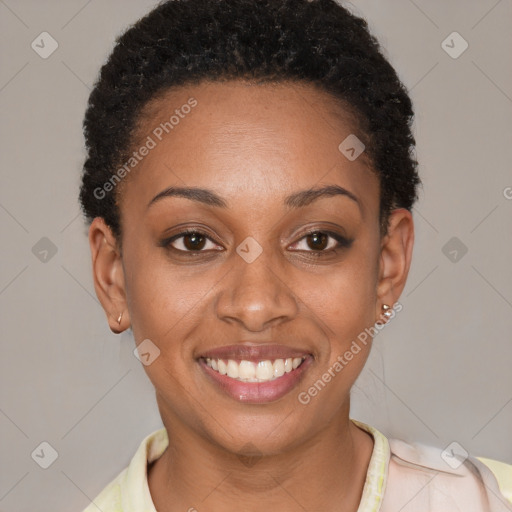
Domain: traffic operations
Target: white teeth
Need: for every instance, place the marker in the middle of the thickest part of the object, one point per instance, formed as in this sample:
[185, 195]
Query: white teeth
[221, 365]
[264, 370]
[232, 369]
[248, 371]
[278, 368]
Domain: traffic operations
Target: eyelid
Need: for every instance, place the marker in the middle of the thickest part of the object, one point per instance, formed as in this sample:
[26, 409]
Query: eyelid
[327, 228]
[184, 232]
[342, 241]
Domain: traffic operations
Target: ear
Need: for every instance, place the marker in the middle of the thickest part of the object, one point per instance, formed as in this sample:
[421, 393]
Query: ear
[108, 275]
[395, 258]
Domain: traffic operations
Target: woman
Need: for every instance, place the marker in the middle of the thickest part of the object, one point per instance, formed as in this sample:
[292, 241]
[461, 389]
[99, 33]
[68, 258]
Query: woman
[249, 183]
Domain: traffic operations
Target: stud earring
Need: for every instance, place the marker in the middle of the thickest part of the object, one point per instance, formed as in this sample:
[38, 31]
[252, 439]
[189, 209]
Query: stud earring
[387, 313]
[119, 318]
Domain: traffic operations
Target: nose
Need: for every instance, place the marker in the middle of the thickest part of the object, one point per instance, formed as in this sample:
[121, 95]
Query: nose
[256, 294]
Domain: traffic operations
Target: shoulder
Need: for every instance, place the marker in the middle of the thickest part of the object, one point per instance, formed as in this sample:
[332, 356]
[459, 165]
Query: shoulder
[422, 478]
[109, 499]
[129, 491]
[503, 474]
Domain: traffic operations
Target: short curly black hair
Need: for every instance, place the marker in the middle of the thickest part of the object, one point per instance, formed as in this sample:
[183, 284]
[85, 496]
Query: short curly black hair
[184, 42]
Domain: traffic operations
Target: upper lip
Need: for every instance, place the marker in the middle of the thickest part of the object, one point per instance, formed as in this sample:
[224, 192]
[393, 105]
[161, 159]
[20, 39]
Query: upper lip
[254, 352]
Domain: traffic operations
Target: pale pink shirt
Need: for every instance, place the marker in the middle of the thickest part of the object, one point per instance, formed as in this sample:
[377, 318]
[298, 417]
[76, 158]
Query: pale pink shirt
[405, 477]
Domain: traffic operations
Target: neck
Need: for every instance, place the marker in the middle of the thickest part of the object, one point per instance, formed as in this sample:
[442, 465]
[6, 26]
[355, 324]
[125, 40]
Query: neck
[325, 471]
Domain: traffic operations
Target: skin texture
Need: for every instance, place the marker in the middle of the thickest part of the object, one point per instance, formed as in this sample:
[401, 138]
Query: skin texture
[253, 145]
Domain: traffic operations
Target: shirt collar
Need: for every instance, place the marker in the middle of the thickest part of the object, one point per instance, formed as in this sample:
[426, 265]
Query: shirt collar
[137, 498]
[377, 474]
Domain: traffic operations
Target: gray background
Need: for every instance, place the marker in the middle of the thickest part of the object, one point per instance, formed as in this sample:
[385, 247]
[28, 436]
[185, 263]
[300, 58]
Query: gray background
[439, 372]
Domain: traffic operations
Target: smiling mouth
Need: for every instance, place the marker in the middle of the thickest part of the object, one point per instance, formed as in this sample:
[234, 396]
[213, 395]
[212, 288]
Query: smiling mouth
[254, 371]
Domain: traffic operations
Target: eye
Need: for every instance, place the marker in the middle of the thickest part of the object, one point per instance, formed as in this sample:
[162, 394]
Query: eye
[316, 242]
[191, 240]
[321, 242]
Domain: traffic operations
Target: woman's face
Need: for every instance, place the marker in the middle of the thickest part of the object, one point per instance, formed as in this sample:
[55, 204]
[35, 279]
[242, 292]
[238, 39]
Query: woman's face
[270, 272]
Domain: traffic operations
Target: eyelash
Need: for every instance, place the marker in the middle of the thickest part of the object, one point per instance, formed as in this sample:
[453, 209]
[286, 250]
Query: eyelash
[343, 243]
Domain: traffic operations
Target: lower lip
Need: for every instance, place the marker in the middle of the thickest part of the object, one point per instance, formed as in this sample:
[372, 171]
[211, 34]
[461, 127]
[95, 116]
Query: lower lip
[257, 392]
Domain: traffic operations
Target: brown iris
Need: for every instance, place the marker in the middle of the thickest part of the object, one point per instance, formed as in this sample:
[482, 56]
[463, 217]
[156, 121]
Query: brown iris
[320, 240]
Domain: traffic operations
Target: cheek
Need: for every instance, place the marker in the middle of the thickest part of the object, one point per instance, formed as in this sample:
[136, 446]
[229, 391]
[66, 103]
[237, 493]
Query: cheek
[161, 295]
[345, 304]
[344, 298]
[164, 307]
[164, 299]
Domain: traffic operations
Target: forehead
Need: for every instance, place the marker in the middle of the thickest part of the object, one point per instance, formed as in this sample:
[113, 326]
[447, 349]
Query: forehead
[250, 143]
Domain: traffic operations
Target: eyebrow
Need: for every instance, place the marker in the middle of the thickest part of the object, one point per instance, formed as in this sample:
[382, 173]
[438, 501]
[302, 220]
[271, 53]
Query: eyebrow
[295, 200]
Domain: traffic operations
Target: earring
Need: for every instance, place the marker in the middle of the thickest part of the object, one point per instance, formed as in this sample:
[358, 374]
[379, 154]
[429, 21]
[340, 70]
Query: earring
[387, 313]
[119, 318]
